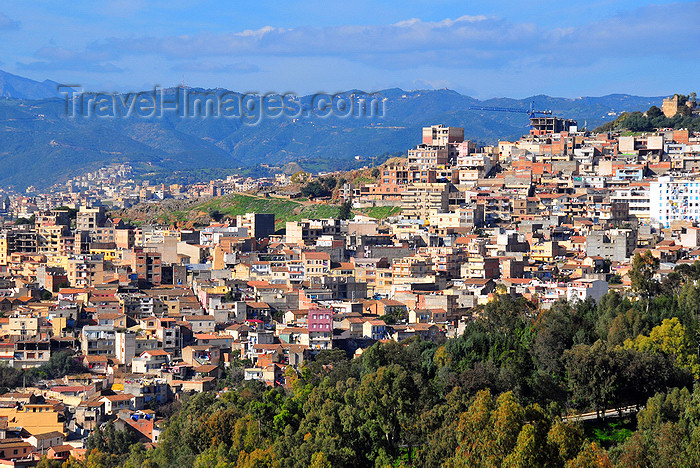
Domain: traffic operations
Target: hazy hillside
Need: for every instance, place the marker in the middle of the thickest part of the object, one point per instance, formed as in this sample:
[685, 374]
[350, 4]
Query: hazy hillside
[41, 145]
[18, 87]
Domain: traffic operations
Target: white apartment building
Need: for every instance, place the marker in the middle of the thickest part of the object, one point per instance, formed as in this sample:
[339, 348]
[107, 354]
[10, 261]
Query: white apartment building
[637, 198]
[474, 166]
[674, 200]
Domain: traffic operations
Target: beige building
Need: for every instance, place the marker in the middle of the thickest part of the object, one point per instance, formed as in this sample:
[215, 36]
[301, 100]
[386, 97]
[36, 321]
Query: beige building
[440, 135]
[421, 200]
[316, 264]
[85, 271]
[50, 239]
[426, 157]
[5, 247]
[88, 219]
[24, 325]
[413, 269]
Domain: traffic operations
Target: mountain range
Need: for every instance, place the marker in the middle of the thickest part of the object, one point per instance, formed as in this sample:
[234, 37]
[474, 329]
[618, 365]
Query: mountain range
[18, 87]
[42, 144]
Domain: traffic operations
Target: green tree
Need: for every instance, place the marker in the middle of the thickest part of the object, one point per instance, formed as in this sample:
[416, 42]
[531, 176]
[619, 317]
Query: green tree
[684, 111]
[654, 112]
[111, 441]
[228, 297]
[593, 377]
[662, 408]
[321, 187]
[554, 334]
[673, 339]
[59, 364]
[609, 306]
[615, 279]
[72, 212]
[386, 399]
[10, 378]
[565, 440]
[49, 463]
[504, 433]
[19, 221]
[345, 211]
[602, 377]
[625, 325]
[591, 456]
[216, 215]
[689, 302]
[644, 268]
[319, 460]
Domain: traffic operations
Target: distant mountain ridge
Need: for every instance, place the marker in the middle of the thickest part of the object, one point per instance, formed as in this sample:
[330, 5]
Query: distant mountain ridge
[40, 145]
[18, 87]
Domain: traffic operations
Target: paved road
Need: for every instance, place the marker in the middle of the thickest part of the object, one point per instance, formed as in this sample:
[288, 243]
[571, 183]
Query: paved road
[592, 415]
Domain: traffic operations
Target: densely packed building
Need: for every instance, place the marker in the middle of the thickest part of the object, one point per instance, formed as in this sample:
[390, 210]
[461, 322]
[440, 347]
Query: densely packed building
[154, 311]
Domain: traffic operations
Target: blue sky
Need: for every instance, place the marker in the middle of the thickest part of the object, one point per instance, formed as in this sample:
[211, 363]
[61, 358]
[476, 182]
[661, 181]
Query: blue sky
[481, 48]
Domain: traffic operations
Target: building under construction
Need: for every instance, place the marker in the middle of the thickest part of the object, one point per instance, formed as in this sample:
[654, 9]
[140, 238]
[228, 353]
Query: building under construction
[548, 124]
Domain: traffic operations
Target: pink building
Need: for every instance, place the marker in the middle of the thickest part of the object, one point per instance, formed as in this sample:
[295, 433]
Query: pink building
[320, 326]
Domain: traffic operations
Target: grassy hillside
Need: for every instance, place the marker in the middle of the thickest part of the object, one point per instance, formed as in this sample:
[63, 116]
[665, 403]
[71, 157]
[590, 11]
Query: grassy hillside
[381, 212]
[284, 210]
[228, 206]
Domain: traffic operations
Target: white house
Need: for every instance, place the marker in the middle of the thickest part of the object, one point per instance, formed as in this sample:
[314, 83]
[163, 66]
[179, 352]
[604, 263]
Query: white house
[586, 288]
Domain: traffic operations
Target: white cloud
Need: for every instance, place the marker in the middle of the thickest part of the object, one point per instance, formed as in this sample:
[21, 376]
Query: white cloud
[216, 67]
[479, 42]
[468, 35]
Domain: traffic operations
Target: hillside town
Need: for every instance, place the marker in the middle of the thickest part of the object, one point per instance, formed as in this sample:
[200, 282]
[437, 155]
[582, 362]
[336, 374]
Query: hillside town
[149, 313]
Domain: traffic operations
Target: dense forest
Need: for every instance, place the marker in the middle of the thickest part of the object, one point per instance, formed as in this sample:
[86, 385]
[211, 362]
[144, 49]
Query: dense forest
[497, 395]
[654, 119]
